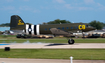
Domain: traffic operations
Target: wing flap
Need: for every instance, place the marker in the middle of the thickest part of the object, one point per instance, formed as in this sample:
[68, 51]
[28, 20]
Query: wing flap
[56, 31]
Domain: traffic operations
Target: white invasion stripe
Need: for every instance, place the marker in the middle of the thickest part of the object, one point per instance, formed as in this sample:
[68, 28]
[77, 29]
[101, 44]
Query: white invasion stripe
[23, 31]
[37, 30]
[32, 27]
[27, 26]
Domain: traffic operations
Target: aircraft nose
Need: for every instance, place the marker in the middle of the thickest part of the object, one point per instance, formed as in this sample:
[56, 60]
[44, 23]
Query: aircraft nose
[90, 28]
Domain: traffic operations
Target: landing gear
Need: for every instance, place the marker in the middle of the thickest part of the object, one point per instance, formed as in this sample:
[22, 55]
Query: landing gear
[71, 41]
[18, 35]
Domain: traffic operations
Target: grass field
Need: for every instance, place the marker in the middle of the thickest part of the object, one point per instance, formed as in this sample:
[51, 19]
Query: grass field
[78, 54]
[12, 38]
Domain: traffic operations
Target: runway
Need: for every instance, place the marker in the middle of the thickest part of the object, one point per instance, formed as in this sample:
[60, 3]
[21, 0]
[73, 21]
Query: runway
[12, 60]
[54, 46]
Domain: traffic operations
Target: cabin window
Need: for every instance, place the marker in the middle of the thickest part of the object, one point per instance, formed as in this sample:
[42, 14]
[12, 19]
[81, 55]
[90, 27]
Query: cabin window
[63, 28]
[45, 29]
[71, 27]
[76, 27]
[49, 28]
[58, 28]
[67, 27]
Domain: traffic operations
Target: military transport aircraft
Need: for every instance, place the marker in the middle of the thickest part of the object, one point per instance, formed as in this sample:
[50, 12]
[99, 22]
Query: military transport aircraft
[17, 24]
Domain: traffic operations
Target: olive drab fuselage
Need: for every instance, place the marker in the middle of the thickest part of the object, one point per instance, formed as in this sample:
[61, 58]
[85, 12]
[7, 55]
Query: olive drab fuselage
[18, 24]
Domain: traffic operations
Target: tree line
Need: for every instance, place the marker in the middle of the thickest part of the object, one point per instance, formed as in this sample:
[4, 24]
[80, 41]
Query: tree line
[97, 24]
[5, 25]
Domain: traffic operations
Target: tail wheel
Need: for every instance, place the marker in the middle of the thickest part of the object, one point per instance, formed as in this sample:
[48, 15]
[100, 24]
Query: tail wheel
[71, 41]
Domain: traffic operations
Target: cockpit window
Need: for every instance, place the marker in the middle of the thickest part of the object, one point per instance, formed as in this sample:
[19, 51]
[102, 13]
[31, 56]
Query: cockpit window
[88, 26]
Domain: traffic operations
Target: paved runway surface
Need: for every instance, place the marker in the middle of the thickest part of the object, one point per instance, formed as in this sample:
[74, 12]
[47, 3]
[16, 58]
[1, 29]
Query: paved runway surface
[11, 60]
[53, 46]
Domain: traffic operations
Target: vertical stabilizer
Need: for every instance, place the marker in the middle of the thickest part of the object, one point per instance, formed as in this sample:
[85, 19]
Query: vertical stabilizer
[16, 23]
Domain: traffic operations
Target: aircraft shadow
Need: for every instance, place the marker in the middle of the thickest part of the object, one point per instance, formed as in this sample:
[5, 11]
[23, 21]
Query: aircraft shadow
[55, 44]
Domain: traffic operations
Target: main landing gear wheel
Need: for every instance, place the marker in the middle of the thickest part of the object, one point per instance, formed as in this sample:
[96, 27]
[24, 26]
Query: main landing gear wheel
[71, 41]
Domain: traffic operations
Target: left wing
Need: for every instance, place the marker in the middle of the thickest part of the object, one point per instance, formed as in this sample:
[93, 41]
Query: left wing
[56, 31]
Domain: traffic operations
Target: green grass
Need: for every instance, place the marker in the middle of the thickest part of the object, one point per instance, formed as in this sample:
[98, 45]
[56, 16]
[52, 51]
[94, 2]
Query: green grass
[94, 40]
[78, 54]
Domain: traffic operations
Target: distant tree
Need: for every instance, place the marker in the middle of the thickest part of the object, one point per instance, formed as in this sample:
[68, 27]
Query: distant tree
[29, 23]
[58, 21]
[6, 24]
[103, 24]
[44, 23]
[97, 24]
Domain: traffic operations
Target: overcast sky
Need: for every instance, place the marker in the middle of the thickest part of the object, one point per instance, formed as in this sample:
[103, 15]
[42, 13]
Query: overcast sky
[39, 11]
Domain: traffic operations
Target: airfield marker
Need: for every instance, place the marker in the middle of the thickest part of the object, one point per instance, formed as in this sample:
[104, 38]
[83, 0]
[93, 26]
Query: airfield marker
[71, 59]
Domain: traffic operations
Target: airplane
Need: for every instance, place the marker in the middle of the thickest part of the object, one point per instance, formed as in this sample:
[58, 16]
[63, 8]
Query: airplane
[18, 25]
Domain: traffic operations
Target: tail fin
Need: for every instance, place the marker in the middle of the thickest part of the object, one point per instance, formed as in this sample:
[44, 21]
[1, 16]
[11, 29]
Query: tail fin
[16, 23]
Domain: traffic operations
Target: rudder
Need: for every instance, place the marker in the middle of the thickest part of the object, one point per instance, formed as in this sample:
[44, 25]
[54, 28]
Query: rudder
[16, 23]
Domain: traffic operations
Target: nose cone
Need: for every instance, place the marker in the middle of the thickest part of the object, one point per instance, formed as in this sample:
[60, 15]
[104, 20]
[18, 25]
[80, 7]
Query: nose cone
[88, 29]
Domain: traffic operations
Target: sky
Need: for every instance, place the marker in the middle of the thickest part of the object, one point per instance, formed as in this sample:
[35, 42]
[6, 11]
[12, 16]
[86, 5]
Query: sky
[39, 11]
